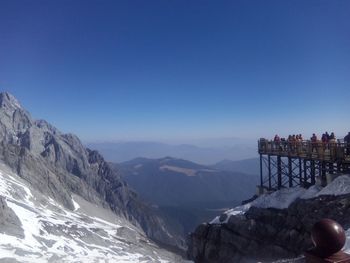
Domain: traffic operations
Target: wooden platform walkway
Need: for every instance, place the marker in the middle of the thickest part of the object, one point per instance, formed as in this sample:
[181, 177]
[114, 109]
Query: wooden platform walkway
[286, 164]
[335, 151]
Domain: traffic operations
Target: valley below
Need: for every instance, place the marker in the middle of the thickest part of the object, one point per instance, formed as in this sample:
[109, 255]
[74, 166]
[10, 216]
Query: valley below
[186, 193]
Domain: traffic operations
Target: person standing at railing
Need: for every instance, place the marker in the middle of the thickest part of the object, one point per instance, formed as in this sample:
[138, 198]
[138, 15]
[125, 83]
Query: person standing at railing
[294, 142]
[327, 136]
[302, 145]
[313, 142]
[289, 142]
[277, 141]
[299, 141]
[347, 143]
[332, 145]
[283, 144]
[324, 140]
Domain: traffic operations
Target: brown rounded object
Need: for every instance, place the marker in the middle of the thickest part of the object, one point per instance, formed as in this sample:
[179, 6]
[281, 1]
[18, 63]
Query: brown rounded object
[328, 236]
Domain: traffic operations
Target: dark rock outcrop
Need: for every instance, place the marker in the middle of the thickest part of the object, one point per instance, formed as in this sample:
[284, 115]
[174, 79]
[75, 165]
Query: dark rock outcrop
[58, 165]
[266, 234]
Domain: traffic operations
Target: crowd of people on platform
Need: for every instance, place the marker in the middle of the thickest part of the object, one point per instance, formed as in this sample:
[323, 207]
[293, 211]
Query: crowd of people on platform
[325, 138]
[293, 141]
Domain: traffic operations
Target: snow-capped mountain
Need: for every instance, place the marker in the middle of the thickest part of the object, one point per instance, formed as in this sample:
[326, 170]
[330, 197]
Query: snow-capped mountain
[36, 228]
[44, 170]
[272, 227]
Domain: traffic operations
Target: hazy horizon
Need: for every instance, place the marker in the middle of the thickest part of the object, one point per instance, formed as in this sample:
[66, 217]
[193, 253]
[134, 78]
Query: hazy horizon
[206, 154]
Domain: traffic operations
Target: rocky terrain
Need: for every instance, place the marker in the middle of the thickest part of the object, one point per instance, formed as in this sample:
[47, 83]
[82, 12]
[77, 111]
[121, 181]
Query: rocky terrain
[272, 227]
[58, 166]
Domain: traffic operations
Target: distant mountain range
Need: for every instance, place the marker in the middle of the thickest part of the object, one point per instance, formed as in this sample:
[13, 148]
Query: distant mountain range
[208, 154]
[171, 181]
[189, 192]
[249, 166]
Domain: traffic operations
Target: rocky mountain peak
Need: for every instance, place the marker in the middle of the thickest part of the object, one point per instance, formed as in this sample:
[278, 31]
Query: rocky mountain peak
[7, 100]
[44, 125]
[94, 156]
[14, 120]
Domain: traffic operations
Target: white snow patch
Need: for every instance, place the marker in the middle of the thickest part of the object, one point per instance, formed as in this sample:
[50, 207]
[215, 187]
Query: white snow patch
[76, 205]
[280, 199]
[137, 166]
[283, 198]
[340, 186]
[30, 223]
[186, 171]
[10, 187]
[347, 243]
[239, 210]
[311, 192]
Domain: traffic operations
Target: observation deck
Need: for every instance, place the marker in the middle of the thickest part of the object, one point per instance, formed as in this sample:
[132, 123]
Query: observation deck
[286, 164]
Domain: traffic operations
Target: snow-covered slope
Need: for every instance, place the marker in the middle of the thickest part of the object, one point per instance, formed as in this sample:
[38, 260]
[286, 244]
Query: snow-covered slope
[44, 231]
[281, 199]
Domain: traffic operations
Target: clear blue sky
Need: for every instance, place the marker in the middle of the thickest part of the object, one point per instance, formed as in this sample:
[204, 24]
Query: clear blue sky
[109, 70]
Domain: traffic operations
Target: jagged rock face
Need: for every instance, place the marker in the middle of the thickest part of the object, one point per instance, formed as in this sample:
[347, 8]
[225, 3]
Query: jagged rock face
[14, 119]
[58, 164]
[266, 234]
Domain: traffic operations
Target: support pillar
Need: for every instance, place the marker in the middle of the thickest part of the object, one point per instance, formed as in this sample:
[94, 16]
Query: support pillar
[300, 173]
[279, 172]
[305, 172]
[269, 168]
[290, 172]
[261, 172]
[331, 168]
[313, 172]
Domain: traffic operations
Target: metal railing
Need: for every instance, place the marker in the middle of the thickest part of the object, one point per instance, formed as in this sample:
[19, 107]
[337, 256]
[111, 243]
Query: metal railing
[331, 151]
